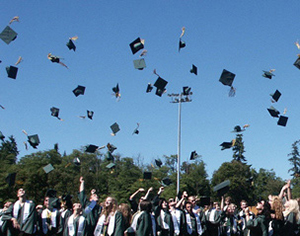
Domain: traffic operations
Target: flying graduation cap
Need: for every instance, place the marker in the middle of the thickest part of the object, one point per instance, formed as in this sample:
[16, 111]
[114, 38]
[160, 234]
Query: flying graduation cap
[79, 90]
[282, 120]
[56, 59]
[8, 35]
[70, 44]
[166, 182]
[149, 88]
[273, 112]
[91, 148]
[55, 112]
[238, 129]
[158, 163]
[194, 155]
[194, 70]
[2, 137]
[181, 42]
[136, 130]
[12, 72]
[48, 168]
[90, 114]
[275, 96]
[268, 74]
[160, 85]
[136, 45]
[33, 140]
[227, 145]
[227, 78]
[139, 64]
[297, 62]
[114, 128]
[116, 90]
[222, 188]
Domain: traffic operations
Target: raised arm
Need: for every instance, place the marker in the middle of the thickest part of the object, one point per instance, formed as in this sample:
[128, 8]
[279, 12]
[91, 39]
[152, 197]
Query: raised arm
[136, 192]
[181, 201]
[147, 194]
[81, 187]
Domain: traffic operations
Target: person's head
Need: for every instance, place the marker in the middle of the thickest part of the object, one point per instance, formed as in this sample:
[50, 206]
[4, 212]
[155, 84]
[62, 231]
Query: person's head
[230, 209]
[291, 206]
[126, 212]
[94, 197]
[192, 199]
[243, 204]
[216, 205]
[21, 192]
[171, 202]
[227, 200]
[47, 202]
[163, 204]
[77, 208]
[110, 205]
[188, 206]
[277, 208]
[145, 205]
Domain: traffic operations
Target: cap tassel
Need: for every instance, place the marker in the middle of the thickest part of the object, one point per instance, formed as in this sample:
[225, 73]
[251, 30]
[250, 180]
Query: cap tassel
[20, 59]
[232, 92]
[26, 147]
[297, 44]
[154, 72]
[182, 31]
[25, 132]
[16, 18]
[74, 38]
[285, 110]
[144, 53]
[2, 107]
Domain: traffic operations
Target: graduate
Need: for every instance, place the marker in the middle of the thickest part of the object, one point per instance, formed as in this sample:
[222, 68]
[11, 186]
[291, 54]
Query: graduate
[143, 224]
[22, 214]
[4, 225]
[164, 219]
[66, 210]
[192, 223]
[75, 224]
[213, 219]
[91, 208]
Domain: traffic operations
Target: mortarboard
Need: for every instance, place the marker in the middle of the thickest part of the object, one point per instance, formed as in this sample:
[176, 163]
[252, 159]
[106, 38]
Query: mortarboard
[10, 179]
[282, 120]
[297, 63]
[227, 78]
[54, 111]
[8, 35]
[91, 148]
[186, 91]
[2, 137]
[237, 129]
[166, 181]
[194, 69]
[111, 166]
[12, 72]
[160, 85]
[116, 90]
[149, 88]
[194, 155]
[111, 147]
[79, 90]
[136, 45]
[76, 161]
[139, 64]
[158, 162]
[227, 145]
[48, 168]
[34, 140]
[204, 201]
[275, 96]
[147, 175]
[268, 74]
[136, 130]
[109, 156]
[90, 114]
[181, 44]
[71, 45]
[115, 128]
[222, 188]
[273, 111]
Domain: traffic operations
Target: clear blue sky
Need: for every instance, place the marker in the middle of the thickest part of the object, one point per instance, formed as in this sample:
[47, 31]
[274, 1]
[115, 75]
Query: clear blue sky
[244, 37]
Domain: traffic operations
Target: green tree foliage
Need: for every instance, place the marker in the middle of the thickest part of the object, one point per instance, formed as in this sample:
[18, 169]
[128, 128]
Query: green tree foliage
[239, 149]
[295, 159]
[239, 174]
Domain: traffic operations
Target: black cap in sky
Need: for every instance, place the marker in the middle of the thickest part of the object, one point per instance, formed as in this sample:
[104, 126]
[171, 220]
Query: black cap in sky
[136, 130]
[90, 114]
[181, 44]
[160, 85]
[116, 90]
[227, 145]
[222, 188]
[268, 74]
[273, 111]
[227, 77]
[149, 88]
[297, 63]
[282, 120]
[76, 161]
[71, 45]
[34, 140]
[111, 148]
[275, 96]
[111, 166]
[193, 155]
[147, 175]
[186, 90]
[115, 128]
[2, 137]
[166, 181]
[91, 148]
[136, 45]
[79, 90]
[54, 111]
[158, 163]
[194, 69]
[12, 72]
[8, 35]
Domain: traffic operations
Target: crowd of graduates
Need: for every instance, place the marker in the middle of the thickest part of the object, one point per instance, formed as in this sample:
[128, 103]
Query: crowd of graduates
[181, 216]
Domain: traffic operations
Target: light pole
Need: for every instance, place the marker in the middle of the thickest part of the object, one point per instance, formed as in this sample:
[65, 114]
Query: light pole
[180, 98]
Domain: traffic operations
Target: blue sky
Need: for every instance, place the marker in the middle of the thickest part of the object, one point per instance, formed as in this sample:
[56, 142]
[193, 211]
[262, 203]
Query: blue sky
[244, 37]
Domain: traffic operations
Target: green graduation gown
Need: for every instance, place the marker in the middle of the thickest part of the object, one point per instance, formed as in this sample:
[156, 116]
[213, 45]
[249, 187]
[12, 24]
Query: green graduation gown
[258, 226]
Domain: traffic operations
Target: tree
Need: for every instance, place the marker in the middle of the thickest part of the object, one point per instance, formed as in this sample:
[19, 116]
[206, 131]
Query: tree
[239, 149]
[295, 159]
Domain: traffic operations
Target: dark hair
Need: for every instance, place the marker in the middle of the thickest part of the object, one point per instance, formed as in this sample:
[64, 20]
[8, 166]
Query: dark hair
[145, 205]
[161, 200]
[267, 210]
[187, 203]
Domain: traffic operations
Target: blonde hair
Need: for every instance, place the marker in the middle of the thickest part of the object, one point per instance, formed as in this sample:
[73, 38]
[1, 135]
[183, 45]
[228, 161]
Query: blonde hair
[293, 207]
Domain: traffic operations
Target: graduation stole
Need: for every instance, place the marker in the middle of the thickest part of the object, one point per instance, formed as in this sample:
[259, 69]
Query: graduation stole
[111, 224]
[176, 221]
[17, 206]
[210, 215]
[1, 221]
[47, 214]
[99, 226]
[90, 207]
[153, 224]
[71, 226]
[163, 216]
[189, 223]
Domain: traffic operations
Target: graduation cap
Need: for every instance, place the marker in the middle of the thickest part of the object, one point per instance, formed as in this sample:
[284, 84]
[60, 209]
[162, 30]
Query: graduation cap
[139, 64]
[136, 130]
[79, 90]
[71, 45]
[227, 145]
[222, 188]
[149, 88]
[147, 175]
[273, 111]
[8, 35]
[186, 91]
[109, 156]
[193, 155]
[116, 90]
[115, 128]
[160, 85]
[194, 69]
[282, 120]
[91, 148]
[275, 96]
[12, 72]
[111, 148]
[76, 161]
[297, 63]
[90, 114]
[166, 181]
[227, 78]
[10, 179]
[33, 140]
[55, 59]
[204, 201]
[136, 45]
[158, 162]
[111, 166]
[268, 74]
[181, 44]
[48, 168]
[2, 137]
[55, 112]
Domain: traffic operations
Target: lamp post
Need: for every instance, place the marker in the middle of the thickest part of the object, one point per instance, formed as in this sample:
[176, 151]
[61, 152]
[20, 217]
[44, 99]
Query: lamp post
[180, 98]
